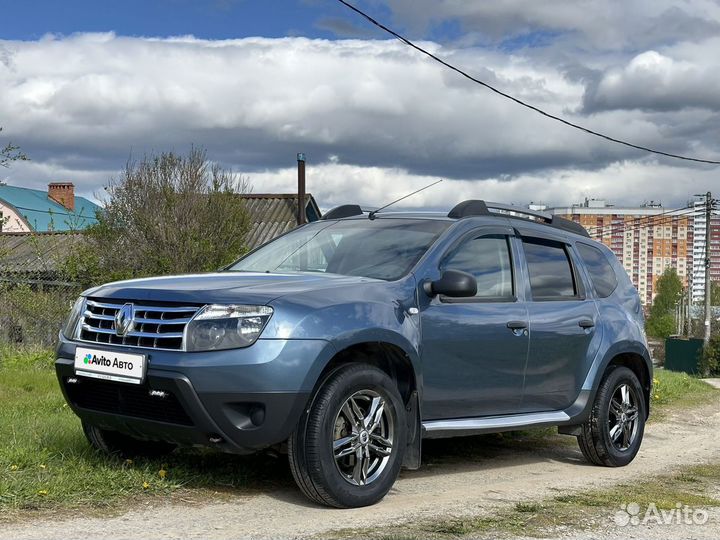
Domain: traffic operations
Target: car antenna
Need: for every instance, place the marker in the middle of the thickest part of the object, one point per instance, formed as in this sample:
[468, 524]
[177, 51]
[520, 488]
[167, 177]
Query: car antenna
[371, 215]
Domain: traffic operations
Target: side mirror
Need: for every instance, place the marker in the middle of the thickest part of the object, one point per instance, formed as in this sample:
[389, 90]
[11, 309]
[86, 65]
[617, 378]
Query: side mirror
[453, 283]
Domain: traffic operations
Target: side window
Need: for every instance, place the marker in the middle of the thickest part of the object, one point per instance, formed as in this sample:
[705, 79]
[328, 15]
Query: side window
[488, 259]
[600, 270]
[551, 275]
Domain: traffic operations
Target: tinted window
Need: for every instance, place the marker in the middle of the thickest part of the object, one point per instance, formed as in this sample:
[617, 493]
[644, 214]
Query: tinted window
[600, 270]
[550, 271]
[488, 259]
[381, 248]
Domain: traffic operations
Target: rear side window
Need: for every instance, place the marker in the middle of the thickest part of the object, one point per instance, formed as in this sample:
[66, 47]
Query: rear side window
[600, 270]
[488, 259]
[551, 275]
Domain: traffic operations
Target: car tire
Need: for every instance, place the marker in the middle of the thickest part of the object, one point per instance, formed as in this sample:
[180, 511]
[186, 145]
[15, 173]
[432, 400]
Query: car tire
[348, 447]
[611, 437]
[121, 445]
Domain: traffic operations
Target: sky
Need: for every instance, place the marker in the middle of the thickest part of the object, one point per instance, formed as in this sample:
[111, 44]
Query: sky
[87, 85]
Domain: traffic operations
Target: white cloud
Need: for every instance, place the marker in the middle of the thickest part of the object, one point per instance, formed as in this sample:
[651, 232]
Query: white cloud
[623, 182]
[655, 81]
[375, 119]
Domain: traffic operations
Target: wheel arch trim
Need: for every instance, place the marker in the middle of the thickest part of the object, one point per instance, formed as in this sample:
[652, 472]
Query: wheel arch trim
[631, 354]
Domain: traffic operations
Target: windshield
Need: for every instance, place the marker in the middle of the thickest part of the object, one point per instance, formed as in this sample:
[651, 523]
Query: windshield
[381, 248]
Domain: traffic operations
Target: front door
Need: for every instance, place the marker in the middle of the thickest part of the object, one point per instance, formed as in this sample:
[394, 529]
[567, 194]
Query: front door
[474, 349]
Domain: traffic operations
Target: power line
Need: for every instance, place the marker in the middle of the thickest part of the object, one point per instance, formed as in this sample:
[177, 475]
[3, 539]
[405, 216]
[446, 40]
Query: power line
[639, 219]
[52, 212]
[622, 227]
[680, 212]
[517, 100]
[639, 222]
[606, 230]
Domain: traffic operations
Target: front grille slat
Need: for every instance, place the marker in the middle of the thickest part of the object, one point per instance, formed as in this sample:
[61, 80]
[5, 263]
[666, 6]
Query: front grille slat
[134, 333]
[147, 320]
[98, 316]
[127, 400]
[156, 326]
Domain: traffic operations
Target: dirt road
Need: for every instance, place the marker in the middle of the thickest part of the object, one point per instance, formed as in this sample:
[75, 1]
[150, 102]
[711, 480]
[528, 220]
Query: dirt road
[462, 477]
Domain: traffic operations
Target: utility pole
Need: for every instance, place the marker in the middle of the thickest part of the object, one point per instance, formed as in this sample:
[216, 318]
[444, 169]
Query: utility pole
[708, 299]
[688, 319]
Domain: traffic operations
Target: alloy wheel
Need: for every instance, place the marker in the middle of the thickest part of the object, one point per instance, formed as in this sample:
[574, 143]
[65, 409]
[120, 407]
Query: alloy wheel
[623, 418]
[363, 437]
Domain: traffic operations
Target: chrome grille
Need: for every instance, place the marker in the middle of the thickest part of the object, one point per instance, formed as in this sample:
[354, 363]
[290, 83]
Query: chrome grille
[156, 326]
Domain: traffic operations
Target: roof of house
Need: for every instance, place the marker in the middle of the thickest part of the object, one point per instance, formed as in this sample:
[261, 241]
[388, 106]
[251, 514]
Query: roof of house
[36, 255]
[273, 214]
[43, 214]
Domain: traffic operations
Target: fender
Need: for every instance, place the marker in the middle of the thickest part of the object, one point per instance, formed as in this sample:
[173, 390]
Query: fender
[358, 337]
[597, 370]
[601, 362]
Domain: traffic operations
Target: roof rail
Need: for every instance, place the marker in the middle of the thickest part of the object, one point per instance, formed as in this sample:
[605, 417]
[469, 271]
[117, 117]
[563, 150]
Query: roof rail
[472, 208]
[343, 211]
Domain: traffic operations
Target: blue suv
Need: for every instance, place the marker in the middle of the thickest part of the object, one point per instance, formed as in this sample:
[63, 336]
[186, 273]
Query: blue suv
[347, 341]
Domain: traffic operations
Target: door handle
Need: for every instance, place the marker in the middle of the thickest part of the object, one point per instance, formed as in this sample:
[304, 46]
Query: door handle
[586, 323]
[517, 325]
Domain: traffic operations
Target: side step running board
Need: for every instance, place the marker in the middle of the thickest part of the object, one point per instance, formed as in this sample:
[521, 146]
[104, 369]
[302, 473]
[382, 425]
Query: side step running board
[491, 424]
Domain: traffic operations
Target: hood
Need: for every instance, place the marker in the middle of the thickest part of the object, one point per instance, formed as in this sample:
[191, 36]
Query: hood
[223, 287]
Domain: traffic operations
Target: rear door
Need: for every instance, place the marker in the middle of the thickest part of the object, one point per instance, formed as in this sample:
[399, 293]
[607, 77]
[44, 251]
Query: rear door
[564, 327]
[474, 349]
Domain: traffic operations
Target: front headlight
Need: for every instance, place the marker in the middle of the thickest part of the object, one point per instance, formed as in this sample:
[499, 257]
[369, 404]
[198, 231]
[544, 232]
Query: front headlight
[69, 329]
[217, 327]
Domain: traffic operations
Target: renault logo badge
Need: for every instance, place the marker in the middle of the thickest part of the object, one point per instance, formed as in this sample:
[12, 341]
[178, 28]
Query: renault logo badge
[125, 320]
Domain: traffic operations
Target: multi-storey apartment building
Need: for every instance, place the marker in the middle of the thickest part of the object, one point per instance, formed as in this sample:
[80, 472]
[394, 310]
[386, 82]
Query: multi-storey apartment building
[698, 264]
[647, 239]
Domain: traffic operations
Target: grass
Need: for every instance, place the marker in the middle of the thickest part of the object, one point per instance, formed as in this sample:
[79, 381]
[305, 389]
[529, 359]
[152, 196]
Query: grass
[584, 510]
[675, 391]
[46, 464]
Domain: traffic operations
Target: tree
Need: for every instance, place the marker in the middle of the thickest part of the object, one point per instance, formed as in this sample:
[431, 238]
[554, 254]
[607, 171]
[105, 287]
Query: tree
[715, 293]
[166, 214]
[661, 320]
[10, 152]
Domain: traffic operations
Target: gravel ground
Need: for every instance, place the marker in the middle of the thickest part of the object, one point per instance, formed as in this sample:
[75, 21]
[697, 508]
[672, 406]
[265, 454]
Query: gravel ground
[458, 488]
[709, 530]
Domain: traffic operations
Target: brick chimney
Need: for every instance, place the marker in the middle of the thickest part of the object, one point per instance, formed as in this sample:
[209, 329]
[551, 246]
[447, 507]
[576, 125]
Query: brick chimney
[62, 193]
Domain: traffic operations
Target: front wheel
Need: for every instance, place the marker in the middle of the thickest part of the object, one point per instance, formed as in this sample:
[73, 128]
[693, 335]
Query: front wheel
[614, 431]
[348, 447]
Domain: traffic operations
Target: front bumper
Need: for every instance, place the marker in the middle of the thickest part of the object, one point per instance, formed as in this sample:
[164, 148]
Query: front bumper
[236, 401]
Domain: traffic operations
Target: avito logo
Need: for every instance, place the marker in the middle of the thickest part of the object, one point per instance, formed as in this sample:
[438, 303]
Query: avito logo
[102, 361]
[98, 360]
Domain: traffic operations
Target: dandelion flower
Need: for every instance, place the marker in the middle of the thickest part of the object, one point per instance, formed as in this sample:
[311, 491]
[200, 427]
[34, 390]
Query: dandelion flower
[13, 467]
[43, 492]
[43, 466]
[146, 485]
[162, 473]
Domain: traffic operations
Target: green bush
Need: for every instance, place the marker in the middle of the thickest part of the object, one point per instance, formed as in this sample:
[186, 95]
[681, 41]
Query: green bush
[710, 359]
[167, 214]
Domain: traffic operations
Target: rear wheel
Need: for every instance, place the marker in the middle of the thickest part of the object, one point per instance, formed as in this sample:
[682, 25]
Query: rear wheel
[119, 444]
[348, 448]
[613, 433]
